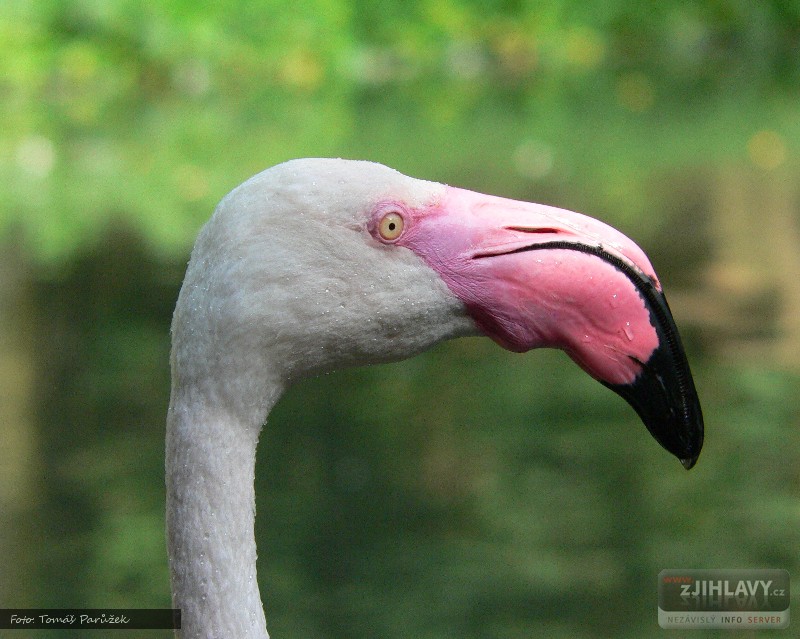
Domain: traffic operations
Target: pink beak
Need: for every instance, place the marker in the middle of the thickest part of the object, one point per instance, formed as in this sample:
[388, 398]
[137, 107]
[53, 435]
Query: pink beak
[536, 276]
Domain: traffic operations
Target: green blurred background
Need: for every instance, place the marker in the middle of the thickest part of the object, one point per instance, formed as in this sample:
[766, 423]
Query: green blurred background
[465, 493]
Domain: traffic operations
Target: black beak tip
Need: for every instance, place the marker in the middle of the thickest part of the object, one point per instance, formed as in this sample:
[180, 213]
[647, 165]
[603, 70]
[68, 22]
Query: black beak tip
[689, 462]
[663, 393]
[664, 396]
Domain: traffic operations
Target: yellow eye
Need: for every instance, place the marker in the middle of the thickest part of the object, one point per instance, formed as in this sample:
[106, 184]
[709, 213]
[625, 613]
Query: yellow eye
[391, 226]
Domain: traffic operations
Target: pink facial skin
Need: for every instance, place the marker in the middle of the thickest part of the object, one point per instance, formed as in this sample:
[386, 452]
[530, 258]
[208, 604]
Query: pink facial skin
[551, 297]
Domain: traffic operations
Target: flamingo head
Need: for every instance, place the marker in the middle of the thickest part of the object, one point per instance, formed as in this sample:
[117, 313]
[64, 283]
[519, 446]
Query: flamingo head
[340, 263]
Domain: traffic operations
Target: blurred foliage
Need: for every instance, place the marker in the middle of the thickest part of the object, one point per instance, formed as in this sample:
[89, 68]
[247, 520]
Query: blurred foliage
[467, 492]
[148, 112]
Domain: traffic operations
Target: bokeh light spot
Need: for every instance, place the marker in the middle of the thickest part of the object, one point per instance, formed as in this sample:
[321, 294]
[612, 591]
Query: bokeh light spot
[635, 92]
[191, 182]
[36, 155]
[766, 149]
[584, 48]
[533, 159]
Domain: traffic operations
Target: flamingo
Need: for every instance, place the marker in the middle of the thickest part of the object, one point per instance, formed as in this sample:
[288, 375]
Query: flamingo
[317, 264]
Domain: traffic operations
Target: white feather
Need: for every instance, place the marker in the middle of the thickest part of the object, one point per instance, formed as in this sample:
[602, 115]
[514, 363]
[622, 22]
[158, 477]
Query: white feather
[284, 282]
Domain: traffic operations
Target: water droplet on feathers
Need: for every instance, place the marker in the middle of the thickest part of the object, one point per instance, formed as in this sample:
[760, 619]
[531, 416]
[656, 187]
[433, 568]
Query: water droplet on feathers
[628, 331]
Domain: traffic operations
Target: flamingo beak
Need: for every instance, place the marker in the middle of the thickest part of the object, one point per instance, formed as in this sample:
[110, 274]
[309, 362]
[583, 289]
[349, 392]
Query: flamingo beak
[535, 276]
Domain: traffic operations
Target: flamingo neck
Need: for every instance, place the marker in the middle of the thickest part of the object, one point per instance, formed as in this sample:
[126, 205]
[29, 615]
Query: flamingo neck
[210, 468]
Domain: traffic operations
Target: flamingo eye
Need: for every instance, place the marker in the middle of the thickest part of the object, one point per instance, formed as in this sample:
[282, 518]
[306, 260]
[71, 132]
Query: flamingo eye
[391, 226]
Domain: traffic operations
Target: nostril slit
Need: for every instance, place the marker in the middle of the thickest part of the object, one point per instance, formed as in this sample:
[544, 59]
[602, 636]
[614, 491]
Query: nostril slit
[531, 230]
[534, 229]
